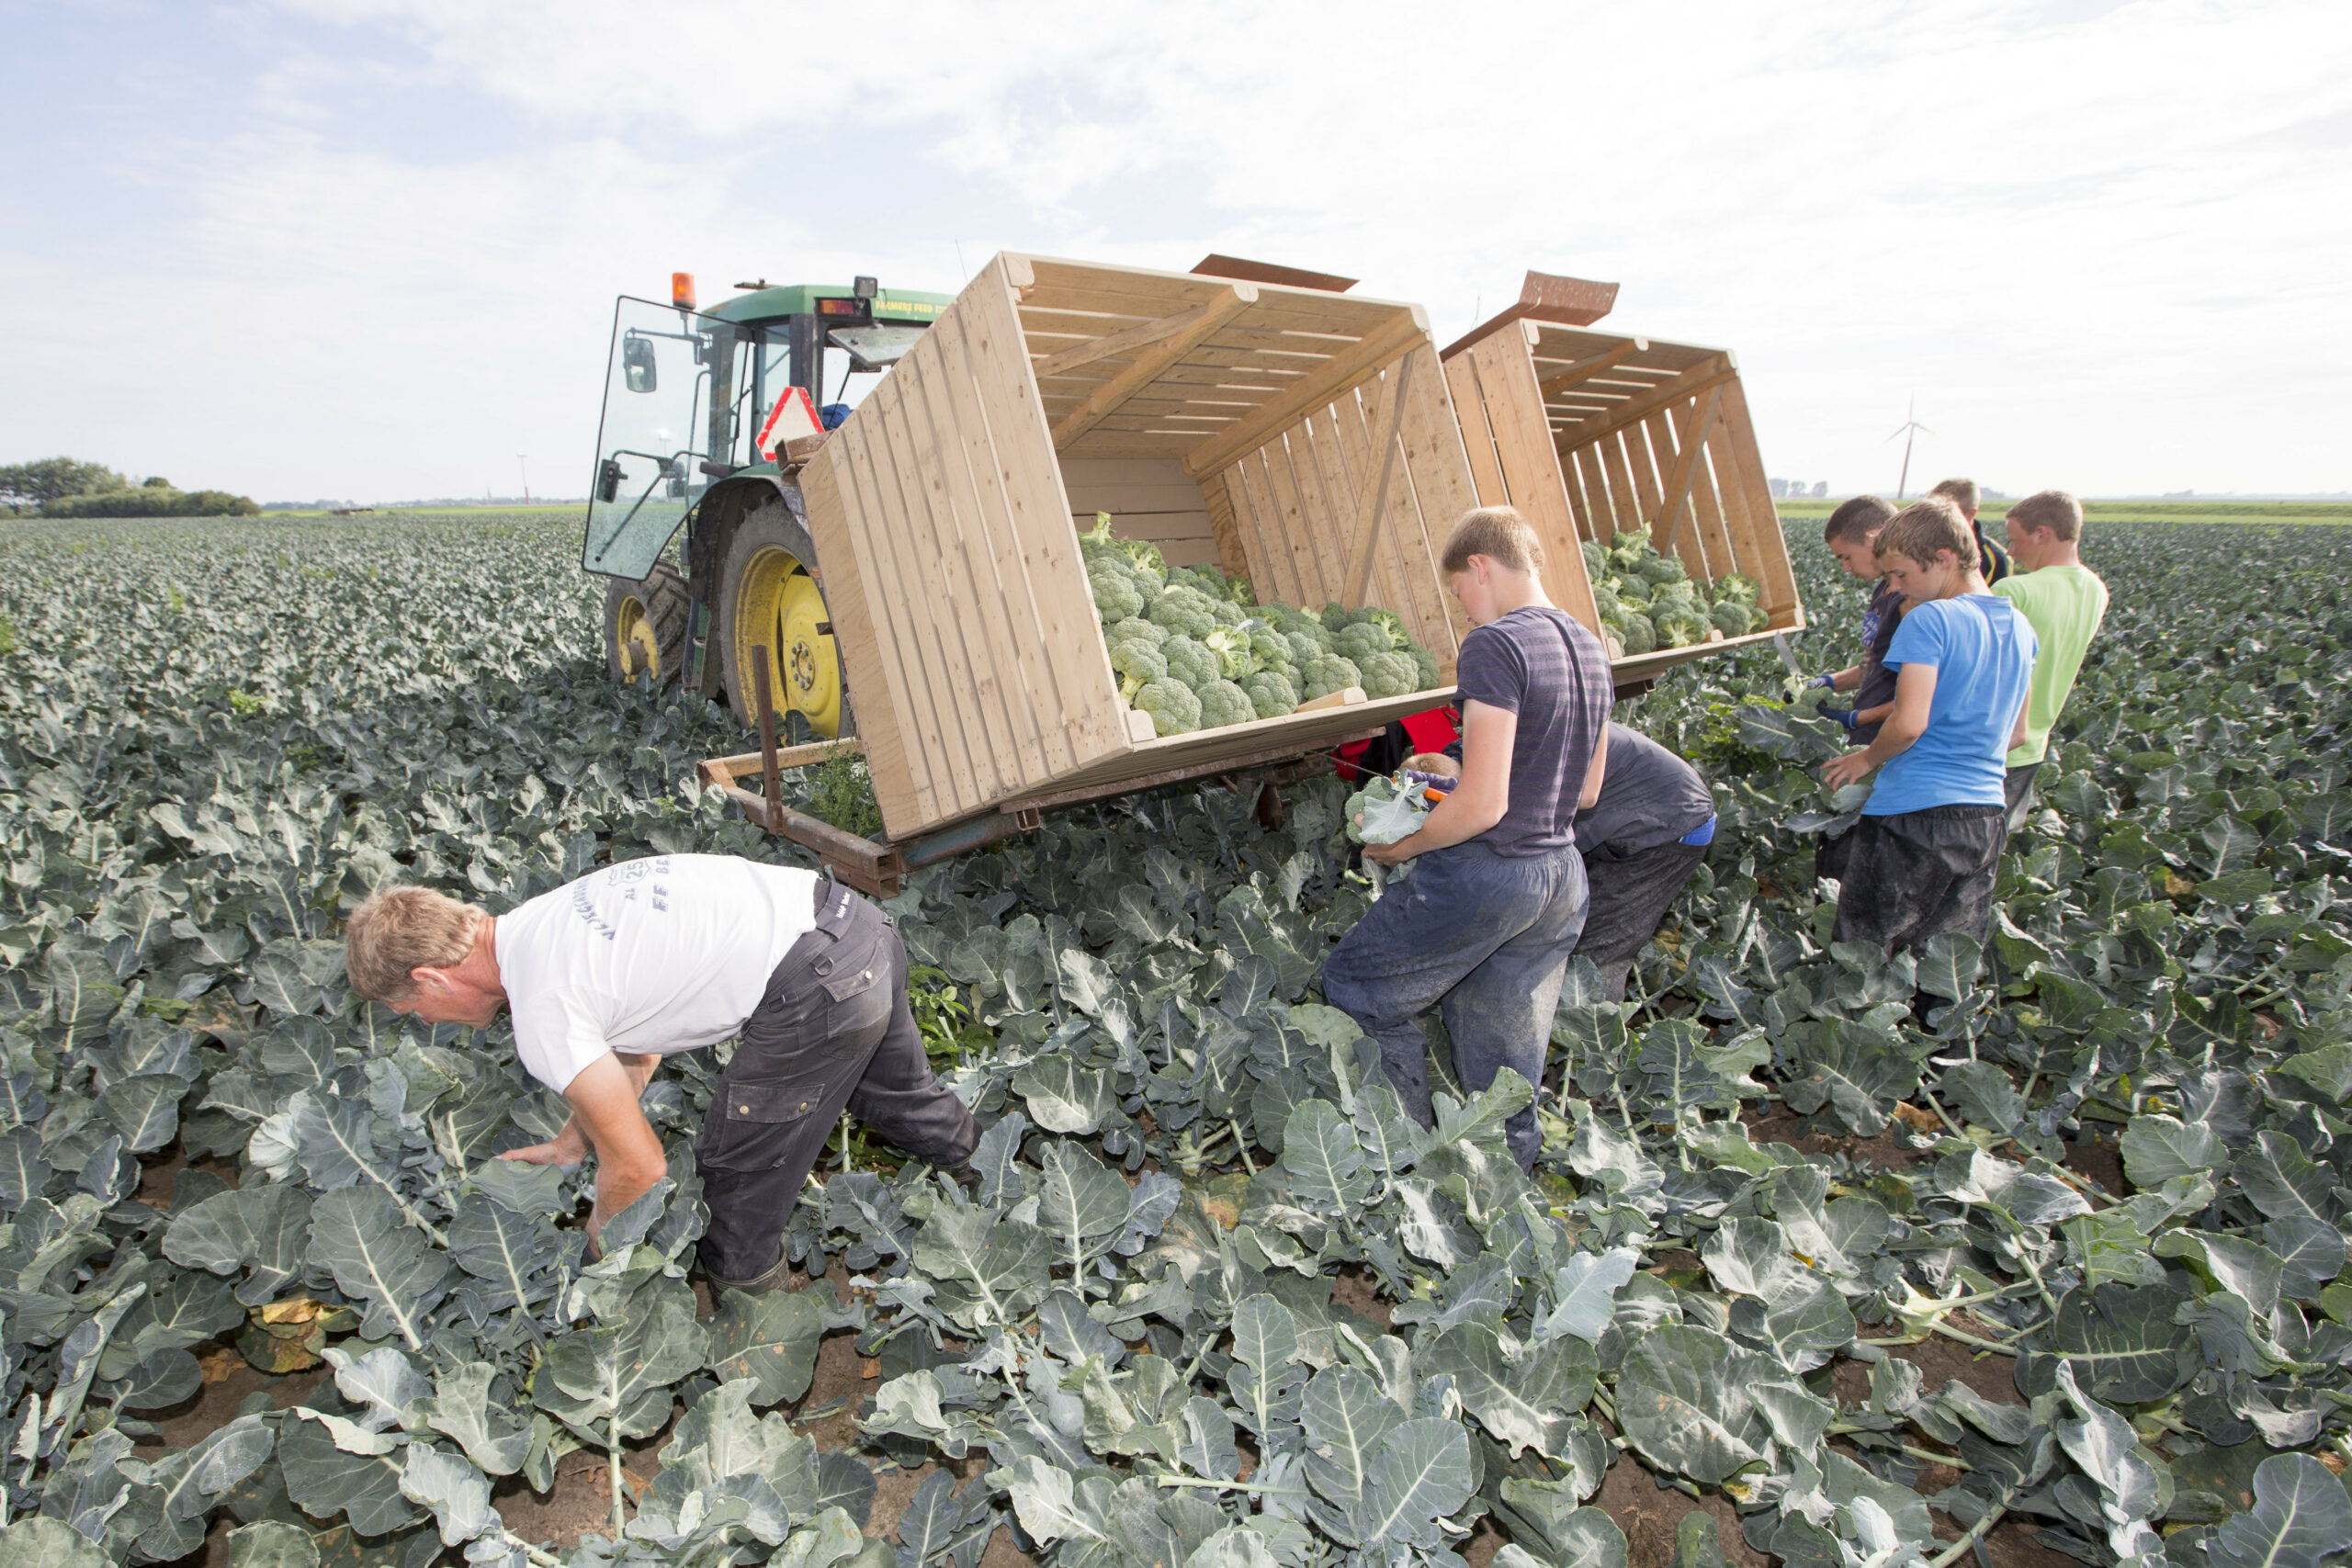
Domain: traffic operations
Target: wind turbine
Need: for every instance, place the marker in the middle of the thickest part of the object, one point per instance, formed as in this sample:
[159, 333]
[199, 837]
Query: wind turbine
[1910, 430]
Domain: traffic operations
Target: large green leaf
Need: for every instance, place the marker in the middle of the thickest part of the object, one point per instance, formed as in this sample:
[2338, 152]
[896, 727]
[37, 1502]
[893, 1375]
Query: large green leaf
[2300, 1519]
[614, 1378]
[356, 1234]
[264, 1229]
[988, 1269]
[1524, 1400]
[1685, 1402]
[769, 1339]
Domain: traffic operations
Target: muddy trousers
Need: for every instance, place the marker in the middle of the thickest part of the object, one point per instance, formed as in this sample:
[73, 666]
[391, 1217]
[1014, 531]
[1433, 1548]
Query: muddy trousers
[833, 1030]
[1903, 878]
[1487, 937]
[1629, 895]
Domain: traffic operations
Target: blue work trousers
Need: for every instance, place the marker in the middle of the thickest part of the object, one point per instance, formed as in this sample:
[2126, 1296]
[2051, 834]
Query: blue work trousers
[1487, 936]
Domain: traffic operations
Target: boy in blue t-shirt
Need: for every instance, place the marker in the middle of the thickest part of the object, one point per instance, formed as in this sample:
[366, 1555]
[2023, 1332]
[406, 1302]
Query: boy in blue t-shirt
[1922, 858]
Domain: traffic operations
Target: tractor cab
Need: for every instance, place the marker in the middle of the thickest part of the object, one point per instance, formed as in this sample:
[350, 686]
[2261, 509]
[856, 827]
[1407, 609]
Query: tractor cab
[688, 394]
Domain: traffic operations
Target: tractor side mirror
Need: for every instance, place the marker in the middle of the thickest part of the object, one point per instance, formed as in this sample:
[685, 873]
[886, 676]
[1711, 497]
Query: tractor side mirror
[638, 371]
[608, 480]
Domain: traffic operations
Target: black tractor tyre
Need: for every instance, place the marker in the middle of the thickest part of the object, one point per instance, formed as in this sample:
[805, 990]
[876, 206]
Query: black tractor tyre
[768, 527]
[659, 606]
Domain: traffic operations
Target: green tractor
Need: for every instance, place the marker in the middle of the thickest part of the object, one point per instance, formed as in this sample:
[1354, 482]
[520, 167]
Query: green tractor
[687, 394]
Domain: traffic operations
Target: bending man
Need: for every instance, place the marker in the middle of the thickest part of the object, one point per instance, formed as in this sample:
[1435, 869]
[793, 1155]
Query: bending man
[607, 975]
[1641, 842]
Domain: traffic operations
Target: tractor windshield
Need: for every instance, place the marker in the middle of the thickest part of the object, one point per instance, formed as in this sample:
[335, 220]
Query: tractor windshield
[656, 431]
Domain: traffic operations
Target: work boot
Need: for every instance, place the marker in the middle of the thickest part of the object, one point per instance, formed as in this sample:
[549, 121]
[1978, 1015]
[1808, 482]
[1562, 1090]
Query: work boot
[770, 1279]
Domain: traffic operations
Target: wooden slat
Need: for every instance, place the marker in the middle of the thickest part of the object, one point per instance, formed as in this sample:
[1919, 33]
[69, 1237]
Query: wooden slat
[1080, 696]
[1267, 565]
[1690, 432]
[1585, 369]
[1105, 399]
[1777, 579]
[1442, 493]
[1635, 409]
[1288, 539]
[1343, 374]
[845, 583]
[1111, 343]
[1386, 585]
[1384, 415]
[1624, 504]
[1311, 445]
[1477, 431]
[1532, 468]
[961, 772]
[1596, 491]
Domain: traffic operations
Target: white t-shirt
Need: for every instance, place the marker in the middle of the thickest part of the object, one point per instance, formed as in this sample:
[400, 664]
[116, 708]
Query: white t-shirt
[667, 953]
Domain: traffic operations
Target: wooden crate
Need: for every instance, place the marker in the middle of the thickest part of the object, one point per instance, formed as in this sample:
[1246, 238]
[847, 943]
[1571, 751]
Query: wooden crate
[1588, 432]
[1300, 437]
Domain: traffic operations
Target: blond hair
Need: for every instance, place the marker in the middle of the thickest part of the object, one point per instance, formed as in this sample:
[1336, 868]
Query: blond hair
[2053, 510]
[1924, 530]
[397, 930]
[1962, 493]
[1500, 534]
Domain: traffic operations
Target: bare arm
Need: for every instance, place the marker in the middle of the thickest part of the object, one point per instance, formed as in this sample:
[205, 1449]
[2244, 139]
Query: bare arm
[606, 1118]
[1481, 798]
[1874, 716]
[2016, 733]
[1846, 680]
[1915, 692]
[1589, 796]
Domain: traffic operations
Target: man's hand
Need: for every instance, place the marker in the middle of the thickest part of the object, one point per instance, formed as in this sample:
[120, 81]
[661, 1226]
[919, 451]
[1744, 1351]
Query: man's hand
[1398, 853]
[629, 1156]
[568, 1147]
[1852, 768]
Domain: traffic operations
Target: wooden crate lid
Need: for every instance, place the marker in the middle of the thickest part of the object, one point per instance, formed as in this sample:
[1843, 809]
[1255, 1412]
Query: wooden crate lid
[1215, 264]
[1545, 297]
[1133, 363]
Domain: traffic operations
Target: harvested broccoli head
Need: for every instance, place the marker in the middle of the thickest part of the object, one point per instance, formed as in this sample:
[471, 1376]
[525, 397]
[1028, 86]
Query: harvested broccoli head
[1424, 667]
[1116, 595]
[1373, 615]
[1269, 647]
[1605, 600]
[1271, 693]
[1663, 569]
[1305, 647]
[1730, 616]
[1174, 709]
[1238, 589]
[1633, 592]
[1330, 673]
[1227, 613]
[1632, 539]
[1384, 811]
[1231, 646]
[1143, 558]
[1335, 616]
[1139, 629]
[1596, 561]
[1139, 663]
[1185, 610]
[1360, 642]
[1223, 703]
[1733, 586]
[1189, 661]
[1388, 675]
[1637, 634]
[1680, 626]
[1683, 593]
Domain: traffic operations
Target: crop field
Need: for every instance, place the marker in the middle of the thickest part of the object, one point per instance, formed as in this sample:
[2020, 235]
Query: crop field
[2029, 1255]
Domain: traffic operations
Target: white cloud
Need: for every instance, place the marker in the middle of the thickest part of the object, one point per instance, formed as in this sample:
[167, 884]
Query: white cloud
[2102, 245]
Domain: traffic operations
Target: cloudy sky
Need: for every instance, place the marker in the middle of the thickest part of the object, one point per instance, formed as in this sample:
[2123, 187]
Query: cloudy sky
[368, 248]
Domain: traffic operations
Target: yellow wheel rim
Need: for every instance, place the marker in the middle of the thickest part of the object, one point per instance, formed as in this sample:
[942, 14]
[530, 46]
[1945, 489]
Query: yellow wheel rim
[640, 650]
[777, 607]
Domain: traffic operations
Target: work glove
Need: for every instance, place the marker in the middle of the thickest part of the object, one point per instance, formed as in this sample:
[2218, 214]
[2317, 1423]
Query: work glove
[1829, 680]
[1846, 719]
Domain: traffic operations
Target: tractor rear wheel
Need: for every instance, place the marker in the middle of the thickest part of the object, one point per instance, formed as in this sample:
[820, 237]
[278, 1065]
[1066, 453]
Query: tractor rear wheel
[645, 626]
[769, 600]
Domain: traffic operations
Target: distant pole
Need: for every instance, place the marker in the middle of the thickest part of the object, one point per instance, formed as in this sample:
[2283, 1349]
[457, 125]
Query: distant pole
[1911, 430]
[523, 460]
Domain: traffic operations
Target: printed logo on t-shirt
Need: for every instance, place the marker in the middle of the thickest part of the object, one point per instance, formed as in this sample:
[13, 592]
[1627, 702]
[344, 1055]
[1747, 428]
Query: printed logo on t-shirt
[624, 876]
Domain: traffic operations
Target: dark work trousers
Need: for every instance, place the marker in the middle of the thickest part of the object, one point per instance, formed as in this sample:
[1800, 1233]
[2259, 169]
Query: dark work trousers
[1489, 936]
[833, 1030]
[1903, 878]
[1629, 897]
[2018, 788]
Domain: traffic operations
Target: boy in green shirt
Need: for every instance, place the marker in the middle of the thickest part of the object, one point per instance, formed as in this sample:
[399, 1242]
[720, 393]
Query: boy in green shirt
[2063, 601]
